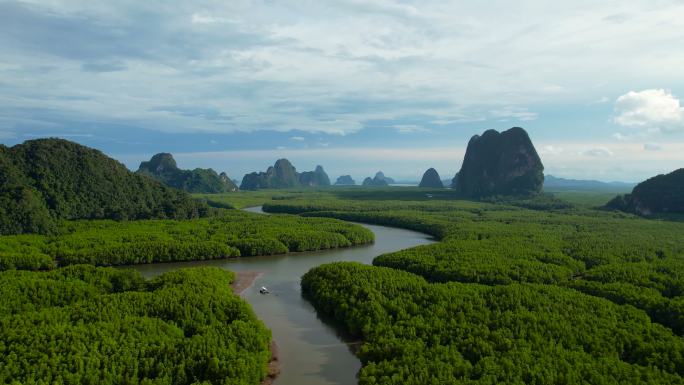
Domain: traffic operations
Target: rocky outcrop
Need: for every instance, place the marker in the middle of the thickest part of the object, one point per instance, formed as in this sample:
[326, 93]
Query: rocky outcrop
[163, 168]
[345, 180]
[431, 179]
[283, 175]
[375, 182]
[315, 178]
[503, 163]
[381, 176]
[454, 181]
[662, 194]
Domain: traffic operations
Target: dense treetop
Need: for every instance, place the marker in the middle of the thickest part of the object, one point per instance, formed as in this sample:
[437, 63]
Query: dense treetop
[418, 333]
[88, 325]
[509, 294]
[662, 194]
[46, 179]
[163, 168]
[503, 163]
[230, 234]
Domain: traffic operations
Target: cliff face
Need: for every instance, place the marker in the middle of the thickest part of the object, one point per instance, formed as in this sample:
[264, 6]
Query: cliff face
[503, 163]
[315, 178]
[163, 168]
[658, 195]
[345, 180]
[375, 181]
[381, 176]
[431, 179]
[283, 175]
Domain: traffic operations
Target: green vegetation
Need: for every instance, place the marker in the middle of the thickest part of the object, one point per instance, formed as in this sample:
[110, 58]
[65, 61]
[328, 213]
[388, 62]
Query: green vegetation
[243, 199]
[662, 194]
[518, 291]
[421, 333]
[88, 325]
[585, 199]
[230, 234]
[48, 179]
[163, 168]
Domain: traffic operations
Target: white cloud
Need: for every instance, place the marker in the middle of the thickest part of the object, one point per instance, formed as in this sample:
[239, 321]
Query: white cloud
[653, 147]
[649, 108]
[409, 128]
[205, 18]
[298, 138]
[284, 65]
[598, 152]
[514, 112]
[550, 150]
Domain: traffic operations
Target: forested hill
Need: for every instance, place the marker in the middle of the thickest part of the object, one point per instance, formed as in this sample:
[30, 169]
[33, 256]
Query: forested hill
[48, 179]
[662, 194]
[163, 168]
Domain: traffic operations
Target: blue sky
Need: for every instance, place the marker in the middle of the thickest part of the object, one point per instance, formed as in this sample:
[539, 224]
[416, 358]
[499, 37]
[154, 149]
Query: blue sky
[356, 86]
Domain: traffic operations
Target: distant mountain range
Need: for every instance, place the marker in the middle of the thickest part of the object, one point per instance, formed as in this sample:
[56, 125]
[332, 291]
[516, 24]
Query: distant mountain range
[378, 180]
[284, 175]
[552, 183]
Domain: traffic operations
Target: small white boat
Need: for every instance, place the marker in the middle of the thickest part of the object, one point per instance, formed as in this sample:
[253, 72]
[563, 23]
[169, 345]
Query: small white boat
[263, 290]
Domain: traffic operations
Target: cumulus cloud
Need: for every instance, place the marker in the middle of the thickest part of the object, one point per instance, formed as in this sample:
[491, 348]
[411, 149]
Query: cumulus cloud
[649, 108]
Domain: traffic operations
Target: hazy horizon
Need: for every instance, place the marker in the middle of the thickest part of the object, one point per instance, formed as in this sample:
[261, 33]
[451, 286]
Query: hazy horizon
[340, 162]
[236, 85]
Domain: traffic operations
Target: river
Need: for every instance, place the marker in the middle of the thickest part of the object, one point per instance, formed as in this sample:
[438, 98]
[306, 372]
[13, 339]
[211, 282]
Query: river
[311, 352]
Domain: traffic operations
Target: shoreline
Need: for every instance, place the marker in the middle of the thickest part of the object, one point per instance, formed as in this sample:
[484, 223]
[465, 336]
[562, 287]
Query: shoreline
[243, 281]
[273, 365]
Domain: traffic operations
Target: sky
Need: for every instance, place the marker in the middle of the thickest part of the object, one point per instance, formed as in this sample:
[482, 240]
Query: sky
[356, 86]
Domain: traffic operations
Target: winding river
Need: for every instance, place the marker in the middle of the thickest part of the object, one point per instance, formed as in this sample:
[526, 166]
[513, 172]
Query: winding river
[311, 352]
